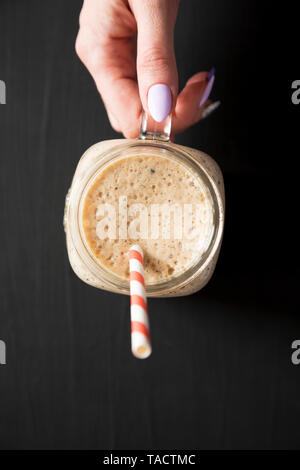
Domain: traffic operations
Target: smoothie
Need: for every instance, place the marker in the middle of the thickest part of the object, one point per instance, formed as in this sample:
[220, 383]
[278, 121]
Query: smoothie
[154, 201]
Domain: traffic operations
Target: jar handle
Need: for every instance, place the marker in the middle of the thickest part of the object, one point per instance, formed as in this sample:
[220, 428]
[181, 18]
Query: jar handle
[153, 130]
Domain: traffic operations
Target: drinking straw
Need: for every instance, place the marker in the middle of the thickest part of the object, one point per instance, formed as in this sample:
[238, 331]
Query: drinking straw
[140, 332]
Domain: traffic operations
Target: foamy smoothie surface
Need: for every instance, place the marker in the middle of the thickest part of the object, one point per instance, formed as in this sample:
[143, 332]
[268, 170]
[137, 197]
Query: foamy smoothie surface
[154, 182]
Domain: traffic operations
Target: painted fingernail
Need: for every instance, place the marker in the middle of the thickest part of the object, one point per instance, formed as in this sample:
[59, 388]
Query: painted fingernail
[211, 73]
[159, 101]
[210, 109]
[207, 90]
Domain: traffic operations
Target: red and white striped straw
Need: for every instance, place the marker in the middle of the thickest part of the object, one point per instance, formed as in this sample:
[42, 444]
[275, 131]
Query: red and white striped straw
[140, 331]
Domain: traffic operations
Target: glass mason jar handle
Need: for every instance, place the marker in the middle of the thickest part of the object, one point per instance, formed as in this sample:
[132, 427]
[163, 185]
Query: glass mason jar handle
[153, 130]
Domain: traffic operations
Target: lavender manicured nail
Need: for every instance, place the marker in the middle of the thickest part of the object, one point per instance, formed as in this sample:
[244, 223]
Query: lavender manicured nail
[159, 101]
[207, 90]
[211, 73]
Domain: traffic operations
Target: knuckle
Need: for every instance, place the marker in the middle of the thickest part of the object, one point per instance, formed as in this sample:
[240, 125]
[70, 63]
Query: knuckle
[81, 45]
[90, 54]
[154, 57]
[88, 48]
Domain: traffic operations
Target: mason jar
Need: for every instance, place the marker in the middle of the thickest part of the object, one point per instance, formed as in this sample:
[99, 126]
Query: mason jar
[153, 140]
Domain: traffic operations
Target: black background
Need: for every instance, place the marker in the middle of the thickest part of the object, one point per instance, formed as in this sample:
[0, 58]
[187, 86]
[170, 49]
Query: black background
[220, 376]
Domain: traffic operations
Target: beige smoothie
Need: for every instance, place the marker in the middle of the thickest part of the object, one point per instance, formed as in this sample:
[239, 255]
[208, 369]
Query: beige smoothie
[154, 201]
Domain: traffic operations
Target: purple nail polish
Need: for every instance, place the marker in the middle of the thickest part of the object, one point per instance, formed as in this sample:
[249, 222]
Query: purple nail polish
[207, 90]
[211, 73]
[159, 101]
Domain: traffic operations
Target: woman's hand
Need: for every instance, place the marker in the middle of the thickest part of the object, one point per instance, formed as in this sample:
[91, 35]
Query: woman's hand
[127, 46]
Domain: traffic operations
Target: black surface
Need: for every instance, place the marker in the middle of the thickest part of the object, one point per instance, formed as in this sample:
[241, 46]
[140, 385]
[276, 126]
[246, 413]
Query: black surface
[221, 374]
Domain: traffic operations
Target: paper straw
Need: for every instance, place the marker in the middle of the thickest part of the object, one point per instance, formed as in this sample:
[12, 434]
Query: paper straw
[140, 331]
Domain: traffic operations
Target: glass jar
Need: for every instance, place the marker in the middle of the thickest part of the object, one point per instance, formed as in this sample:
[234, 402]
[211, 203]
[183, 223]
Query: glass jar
[153, 140]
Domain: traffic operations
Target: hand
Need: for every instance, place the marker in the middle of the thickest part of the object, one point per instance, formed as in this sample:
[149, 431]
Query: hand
[127, 46]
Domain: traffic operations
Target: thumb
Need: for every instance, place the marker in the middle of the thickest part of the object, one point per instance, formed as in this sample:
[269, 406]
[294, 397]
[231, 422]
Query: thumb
[156, 64]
